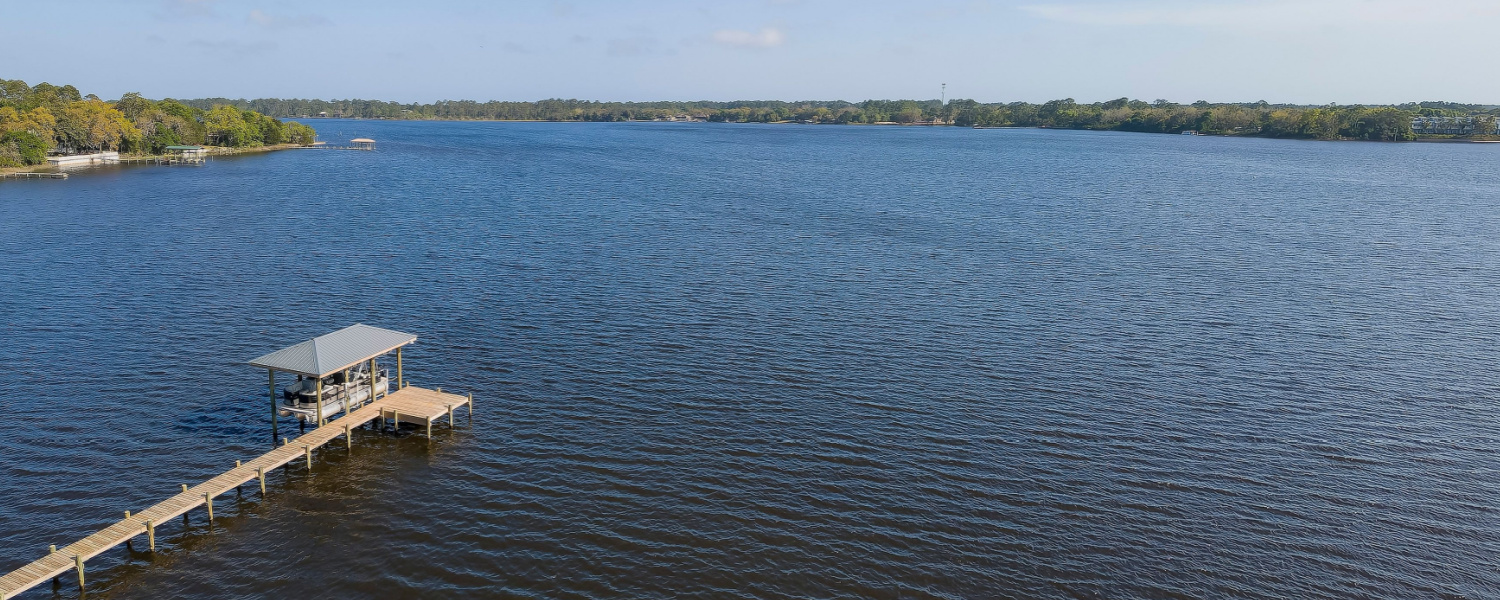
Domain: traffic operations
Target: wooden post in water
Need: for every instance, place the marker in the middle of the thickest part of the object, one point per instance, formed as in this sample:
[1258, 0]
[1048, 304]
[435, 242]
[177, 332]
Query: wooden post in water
[471, 407]
[320, 402]
[151, 535]
[348, 439]
[348, 395]
[209, 502]
[373, 377]
[307, 450]
[261, 471]
[400, 379]
[450, 416]
[272, 373]
[78, 560]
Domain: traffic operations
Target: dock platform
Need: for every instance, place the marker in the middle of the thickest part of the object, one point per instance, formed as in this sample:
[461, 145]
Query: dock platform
[47, 175]
[406, 405]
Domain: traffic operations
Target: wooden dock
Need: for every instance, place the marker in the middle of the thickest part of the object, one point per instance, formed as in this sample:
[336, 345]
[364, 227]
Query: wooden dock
[406, 405]
[162, 161]
[33, 175]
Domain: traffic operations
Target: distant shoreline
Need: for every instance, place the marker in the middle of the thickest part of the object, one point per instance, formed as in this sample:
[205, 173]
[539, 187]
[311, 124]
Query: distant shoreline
[212, 151]
[1450, 139]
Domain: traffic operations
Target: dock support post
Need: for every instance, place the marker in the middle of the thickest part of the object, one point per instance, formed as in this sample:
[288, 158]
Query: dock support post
[261, 471]
[450, 416]
[348, 393]
[78, 560]
[373, 377]
[400, 379]
[471, 407]
[209, 502]
[397, 421]
[307, 450]
[320, 402]
[348, 439]
[429, 427]
[274, 420]
[151, 535]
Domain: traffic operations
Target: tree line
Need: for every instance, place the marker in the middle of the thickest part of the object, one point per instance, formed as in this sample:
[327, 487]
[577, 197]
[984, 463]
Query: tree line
[35, 120]
[1124, 114]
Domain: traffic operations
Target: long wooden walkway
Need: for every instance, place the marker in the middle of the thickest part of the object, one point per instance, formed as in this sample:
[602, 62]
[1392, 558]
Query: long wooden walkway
[406, 405]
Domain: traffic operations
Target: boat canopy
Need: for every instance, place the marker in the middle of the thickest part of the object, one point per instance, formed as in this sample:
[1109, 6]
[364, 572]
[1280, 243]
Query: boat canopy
[331, 353]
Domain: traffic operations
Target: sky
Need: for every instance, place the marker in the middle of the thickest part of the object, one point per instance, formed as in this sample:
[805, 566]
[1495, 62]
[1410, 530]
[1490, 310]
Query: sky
[1293, 51]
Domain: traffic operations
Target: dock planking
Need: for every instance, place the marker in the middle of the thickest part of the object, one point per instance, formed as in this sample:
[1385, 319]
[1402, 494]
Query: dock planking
[409, 404]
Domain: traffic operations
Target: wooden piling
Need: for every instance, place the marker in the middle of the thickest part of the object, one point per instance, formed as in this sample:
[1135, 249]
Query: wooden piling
[78, 560]
[151, 534]
[273, 402]
[261, 472]
[450, 416]
[209, 502]
[307, 450]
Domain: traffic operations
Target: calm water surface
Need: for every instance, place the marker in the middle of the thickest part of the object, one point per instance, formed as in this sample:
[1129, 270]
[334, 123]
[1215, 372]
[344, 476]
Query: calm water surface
[726, 361]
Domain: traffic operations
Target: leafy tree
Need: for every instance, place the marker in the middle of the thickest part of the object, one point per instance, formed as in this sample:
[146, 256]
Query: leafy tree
[94, 125]
[29, 147]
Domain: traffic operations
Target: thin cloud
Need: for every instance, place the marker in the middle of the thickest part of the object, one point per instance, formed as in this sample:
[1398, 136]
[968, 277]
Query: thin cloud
[765, 38]
[185, 9]
[1257, 14]
[263, 19]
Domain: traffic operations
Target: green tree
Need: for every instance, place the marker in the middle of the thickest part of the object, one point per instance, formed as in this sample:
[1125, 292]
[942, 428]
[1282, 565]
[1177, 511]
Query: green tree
[94, 125]
[29, 147]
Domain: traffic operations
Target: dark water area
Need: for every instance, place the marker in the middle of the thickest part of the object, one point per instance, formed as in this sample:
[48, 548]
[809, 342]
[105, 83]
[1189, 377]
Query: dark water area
[734, 361]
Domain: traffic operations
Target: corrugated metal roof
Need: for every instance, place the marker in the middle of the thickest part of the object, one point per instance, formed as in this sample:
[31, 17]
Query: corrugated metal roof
[328, 354]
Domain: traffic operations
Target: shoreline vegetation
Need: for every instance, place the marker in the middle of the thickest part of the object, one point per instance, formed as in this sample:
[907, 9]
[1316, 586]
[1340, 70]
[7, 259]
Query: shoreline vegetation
[47, 120]
[1435, 120]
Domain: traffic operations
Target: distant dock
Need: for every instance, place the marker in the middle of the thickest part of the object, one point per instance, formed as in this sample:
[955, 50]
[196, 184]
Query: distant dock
[354, 144]
[33, 175]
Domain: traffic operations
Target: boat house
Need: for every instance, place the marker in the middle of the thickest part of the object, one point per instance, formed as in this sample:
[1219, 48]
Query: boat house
[335, 371]
[363, 143]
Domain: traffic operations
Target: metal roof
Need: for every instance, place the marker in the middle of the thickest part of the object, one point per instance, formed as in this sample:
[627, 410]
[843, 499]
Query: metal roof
[184, 147]
[362, 141]
[328, 354]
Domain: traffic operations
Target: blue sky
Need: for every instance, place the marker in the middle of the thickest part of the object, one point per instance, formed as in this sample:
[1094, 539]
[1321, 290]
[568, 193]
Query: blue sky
[1304, 51]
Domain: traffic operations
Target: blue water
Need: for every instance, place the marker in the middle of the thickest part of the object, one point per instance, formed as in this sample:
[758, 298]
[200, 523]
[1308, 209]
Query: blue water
[740, 361]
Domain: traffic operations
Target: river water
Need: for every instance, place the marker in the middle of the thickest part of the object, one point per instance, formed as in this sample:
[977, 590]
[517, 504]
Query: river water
[741, 361]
